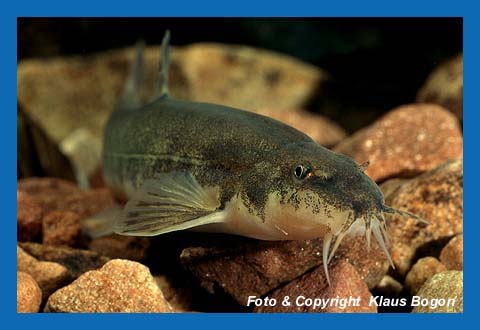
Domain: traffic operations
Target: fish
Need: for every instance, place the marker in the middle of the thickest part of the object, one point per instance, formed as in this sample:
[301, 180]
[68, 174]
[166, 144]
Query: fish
[183, 165]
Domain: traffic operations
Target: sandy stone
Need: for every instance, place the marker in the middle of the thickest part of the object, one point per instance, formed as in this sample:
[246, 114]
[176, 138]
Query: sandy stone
[29, 295]
[319, 128]
[119, 286]
[251, 267]
[408, 140]
[180, 299]
[452, 254]
[444, 86]
[29, 217]
[346, 284]
[75, 260]
[445, 285]
[436, 196]
[125, 247]
[61, 228]
[423, 269]
[50, 276]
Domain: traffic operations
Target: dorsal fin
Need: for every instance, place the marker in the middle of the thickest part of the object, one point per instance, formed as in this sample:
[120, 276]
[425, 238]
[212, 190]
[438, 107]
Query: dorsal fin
[161, 89]
[131, 96]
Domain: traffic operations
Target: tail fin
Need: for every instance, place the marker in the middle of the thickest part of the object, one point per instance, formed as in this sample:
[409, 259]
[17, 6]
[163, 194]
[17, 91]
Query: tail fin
[131, 97]
[162, 82]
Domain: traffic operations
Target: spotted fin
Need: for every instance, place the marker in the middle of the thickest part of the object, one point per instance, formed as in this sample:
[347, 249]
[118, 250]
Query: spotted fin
[169, 202]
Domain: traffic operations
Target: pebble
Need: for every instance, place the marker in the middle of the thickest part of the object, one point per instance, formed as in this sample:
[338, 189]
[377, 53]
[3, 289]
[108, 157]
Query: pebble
[452, 254]
[61, 228]
[75, 260]
[347, 292]
[29, 217]
[407, 141]
[50, 276]
[436, 196]
[29, 295]
[119, 286]
[443, 293]
[423, 269]
[117, 246]
[444, 86]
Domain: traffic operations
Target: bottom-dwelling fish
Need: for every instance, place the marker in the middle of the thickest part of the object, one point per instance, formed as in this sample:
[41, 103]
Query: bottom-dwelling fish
[184, 165]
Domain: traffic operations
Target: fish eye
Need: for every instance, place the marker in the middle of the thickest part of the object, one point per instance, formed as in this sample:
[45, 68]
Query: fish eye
[301, 171]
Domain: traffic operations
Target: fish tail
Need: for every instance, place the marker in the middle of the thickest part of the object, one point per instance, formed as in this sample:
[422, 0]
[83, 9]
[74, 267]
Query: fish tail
[162, 83]
[131, 96]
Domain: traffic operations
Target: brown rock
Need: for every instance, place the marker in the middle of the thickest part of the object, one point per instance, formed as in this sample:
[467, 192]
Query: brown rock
[423, 269]
[56, 194]
[444, 86]
[119, 286]
[320, 129]
[452, 254]
[29, 295]
[443, 293]
[61, 228]
[408, 140]
[50, 276]
[29, 218]
[436, 196]
[348, 292]
[125, 247]
[76, 261]
[256, 267]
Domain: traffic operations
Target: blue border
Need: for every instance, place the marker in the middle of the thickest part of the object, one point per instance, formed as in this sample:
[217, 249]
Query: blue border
[245, 8]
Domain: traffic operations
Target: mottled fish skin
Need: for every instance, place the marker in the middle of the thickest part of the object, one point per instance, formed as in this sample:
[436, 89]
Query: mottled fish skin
[242, 152]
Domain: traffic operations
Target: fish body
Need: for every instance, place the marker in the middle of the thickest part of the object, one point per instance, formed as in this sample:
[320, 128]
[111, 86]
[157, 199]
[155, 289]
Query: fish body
[186, 165]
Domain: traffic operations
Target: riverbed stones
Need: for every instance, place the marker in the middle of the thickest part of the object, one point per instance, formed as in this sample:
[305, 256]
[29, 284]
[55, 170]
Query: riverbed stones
[119, 286]
[407, 141]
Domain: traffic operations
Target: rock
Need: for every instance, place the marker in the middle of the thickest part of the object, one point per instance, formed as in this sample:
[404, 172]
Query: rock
[452, 254]
[436, 196]
[320, 129]
[444, 86]
[75, 260]
[179, 298]
[254, 268]
[50, 276]
[29, 295]
[125, 247]
[347, 286]
[119, 286]
[61, 228]
[56, 194]
[65, 96]
[423, 269]
[29, 218]
[442, 293]
[388, 287]
[408, 140]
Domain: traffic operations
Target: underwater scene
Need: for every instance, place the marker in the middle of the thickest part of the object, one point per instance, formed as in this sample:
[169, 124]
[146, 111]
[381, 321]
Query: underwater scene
[240, 165]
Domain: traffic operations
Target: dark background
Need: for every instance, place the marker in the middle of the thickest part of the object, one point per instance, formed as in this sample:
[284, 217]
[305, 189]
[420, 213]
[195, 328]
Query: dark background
[376, 63]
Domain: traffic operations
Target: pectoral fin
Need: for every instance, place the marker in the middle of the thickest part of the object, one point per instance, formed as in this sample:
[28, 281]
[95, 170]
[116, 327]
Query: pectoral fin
[169, 202]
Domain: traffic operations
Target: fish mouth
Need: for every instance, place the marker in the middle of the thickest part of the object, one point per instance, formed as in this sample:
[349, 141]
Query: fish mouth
[374, 222]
